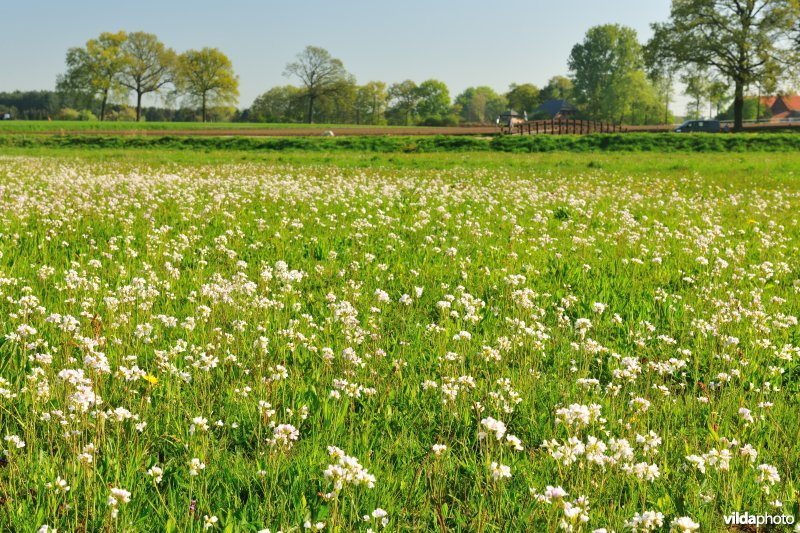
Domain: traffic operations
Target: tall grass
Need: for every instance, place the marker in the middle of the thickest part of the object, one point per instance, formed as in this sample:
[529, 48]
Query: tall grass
[250, 346]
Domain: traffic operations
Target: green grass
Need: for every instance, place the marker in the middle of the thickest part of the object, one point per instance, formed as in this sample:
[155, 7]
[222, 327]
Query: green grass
[178, 280]
[628, 142]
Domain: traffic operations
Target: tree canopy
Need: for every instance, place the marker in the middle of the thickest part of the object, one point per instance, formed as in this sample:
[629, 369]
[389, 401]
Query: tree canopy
[741, 40]
[95, 69]
[206, 76]
[602, 67]
[320, 73]
[149, 66]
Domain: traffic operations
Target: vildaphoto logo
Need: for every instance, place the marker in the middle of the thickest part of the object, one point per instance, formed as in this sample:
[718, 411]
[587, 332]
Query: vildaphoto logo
[747, 519]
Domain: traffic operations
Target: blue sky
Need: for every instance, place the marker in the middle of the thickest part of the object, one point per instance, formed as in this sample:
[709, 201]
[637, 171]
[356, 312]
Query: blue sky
[462, 43]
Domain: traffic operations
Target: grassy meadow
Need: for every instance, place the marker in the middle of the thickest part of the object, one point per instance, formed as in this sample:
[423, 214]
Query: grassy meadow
[245, 340]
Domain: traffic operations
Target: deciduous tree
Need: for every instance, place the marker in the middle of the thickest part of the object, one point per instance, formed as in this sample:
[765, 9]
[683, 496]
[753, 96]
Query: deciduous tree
[433, 102]
[739, 39]
[480, 104]
[149, 66]
[279, 104]
[601, 66]
[370, 104]
[94, 70]
[523, 97]
[207, 77]
[320, 73]
[557, 88]
[403, 98]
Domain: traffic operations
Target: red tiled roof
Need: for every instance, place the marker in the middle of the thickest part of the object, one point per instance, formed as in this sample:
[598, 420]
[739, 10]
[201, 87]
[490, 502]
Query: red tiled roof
[791, 101]
[768, 101]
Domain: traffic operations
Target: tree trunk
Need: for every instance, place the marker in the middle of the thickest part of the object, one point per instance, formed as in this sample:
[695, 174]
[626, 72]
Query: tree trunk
[738, 105]
[666, 109]
[758, 111]
[103, 106]
[138, 106]
[204, 108]
[310, 109]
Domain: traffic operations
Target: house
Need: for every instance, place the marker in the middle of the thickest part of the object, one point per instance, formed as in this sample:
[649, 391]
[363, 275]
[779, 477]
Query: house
[783, 107]
[510, 118]
[557, 109]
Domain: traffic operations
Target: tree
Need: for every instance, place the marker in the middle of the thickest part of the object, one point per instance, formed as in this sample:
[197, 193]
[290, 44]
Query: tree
[480, 104]
[403, 98]
[739, 39]
[433, 102]
[696, 86]
[661, 71]
[149, 66]
[557, 88]
[320, 73]
[279, 104]
[750, 110]
[207, 77]
[601, 66]
[95, 69]
[643, 102]
[337, 106]
[37, 105]
[370, 104]
[767, 84]
[718, 94]
[523, 97]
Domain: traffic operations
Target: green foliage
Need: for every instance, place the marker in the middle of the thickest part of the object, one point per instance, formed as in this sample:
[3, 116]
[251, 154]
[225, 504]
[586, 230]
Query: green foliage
[148, 66]
[403, 99]
[557, 88]
[320, 73]
[68, 113]
[370, 103]
[95, 69]
[206, 76]
[433, 104]
[744, 42]
[752, 109]
[605, 71]
[523, 98]
[620, 142]
[480, 105]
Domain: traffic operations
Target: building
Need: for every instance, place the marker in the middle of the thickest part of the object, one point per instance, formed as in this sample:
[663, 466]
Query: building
[557, 109]
[510, 118]
[782, 107]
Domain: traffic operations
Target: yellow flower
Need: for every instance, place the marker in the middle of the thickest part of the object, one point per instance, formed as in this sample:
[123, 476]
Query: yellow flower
[152, 380]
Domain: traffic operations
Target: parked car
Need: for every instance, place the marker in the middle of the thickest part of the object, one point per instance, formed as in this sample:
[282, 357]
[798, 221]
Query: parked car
[706, 126]
[5, 116]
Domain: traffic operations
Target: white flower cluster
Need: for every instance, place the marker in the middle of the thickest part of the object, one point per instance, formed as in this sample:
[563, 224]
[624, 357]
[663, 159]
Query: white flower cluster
[346, 471]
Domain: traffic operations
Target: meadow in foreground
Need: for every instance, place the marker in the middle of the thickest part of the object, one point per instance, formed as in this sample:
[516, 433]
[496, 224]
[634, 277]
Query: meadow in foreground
[251, 347]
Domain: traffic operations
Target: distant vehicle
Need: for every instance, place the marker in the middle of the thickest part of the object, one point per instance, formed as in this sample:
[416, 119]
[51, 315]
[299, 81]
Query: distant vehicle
[5, 116]
[705, 126]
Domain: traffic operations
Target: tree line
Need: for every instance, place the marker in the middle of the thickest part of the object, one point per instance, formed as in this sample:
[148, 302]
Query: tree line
[718, 49]
[115, 66]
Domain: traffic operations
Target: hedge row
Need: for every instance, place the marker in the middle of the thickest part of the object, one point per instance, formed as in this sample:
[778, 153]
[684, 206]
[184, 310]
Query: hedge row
[627, 142]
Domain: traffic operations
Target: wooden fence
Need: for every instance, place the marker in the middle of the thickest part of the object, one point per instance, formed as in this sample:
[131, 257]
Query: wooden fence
[561, 127]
